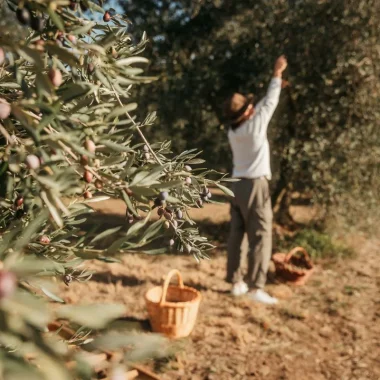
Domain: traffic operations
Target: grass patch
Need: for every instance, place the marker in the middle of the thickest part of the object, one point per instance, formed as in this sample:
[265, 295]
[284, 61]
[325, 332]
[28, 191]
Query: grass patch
[318, 244]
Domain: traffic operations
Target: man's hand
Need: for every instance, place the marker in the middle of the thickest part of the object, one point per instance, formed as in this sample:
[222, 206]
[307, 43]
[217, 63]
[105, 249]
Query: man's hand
[280, 66]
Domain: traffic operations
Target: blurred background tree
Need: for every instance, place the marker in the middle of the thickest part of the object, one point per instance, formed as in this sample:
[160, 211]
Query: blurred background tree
[324, 136]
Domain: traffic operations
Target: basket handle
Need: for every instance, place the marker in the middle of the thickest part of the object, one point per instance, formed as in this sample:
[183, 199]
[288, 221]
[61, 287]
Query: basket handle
[294, 251]
[167, 282]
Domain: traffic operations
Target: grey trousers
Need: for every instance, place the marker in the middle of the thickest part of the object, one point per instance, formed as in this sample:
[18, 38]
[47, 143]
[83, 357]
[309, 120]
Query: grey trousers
[251, 213]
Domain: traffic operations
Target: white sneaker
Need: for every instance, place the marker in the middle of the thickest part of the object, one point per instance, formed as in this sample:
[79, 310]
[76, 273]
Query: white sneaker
[263, 297]
[239, 289]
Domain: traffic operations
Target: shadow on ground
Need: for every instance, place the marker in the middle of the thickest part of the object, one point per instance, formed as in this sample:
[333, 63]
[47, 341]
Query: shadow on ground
[109, 278]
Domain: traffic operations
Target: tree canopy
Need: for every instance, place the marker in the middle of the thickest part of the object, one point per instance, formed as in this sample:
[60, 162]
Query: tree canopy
[324, 134]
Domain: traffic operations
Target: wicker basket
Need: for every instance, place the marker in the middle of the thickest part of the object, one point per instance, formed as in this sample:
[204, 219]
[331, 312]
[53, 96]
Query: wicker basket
[173, 309]
[294, 268]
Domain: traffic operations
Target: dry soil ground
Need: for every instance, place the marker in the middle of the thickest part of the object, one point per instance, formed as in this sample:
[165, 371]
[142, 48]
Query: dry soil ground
[328, 329]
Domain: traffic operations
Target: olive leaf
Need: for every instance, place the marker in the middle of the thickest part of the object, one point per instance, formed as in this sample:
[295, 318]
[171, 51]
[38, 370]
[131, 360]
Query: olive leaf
[225, 190]
[130, 60]
[51, 295]
[105, 233]
[137, 226]
[56, 19]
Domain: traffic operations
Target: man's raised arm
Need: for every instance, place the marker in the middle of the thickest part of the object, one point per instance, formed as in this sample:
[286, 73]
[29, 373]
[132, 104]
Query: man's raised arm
[273, 94]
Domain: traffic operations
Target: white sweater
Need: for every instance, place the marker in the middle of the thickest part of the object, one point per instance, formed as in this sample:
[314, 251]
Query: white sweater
[249, 142]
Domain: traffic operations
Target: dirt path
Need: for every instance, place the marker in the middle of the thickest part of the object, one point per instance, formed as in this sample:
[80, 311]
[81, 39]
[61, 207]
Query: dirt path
[329, 329]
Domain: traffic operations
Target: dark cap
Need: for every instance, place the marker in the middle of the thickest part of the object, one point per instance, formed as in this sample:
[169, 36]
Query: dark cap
[235, 106]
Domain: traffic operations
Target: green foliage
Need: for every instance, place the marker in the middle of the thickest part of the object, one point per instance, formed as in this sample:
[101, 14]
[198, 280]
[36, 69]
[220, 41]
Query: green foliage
[318, 244]
[70, 137]
[324, 136]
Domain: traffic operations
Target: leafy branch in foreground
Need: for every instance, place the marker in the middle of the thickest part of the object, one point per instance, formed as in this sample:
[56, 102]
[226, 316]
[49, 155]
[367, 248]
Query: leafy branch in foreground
[70, 138]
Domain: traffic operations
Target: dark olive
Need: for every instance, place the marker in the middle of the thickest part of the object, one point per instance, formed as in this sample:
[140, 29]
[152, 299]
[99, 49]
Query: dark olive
[8, 283]
[90, 146]
[5, 110]
[164, 195]
[99, 184]
[2, 56]
[88, 176]
[158, 202]
[205, 191]
[19, 213]
[44, 239]
[19, 201]
[90, 68]
[72, 38]
[167, 215]
[67, 279]
[87, 194]
[40, 45]
[106, 16]
[55, 76]
[84, 160]
[60, 36]
[37, 24]
[114, 52]
[128, 191]
[83, 6]
[23, 15]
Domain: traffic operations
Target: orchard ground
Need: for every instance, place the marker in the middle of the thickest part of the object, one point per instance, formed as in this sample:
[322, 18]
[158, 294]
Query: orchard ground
[328, 329]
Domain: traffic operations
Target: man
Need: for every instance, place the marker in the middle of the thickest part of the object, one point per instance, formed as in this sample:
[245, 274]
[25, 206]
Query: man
[251, 209]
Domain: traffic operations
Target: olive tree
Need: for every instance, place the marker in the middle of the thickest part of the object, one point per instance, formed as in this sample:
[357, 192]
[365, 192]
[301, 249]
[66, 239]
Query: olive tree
[70, 136]
[324, 136]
